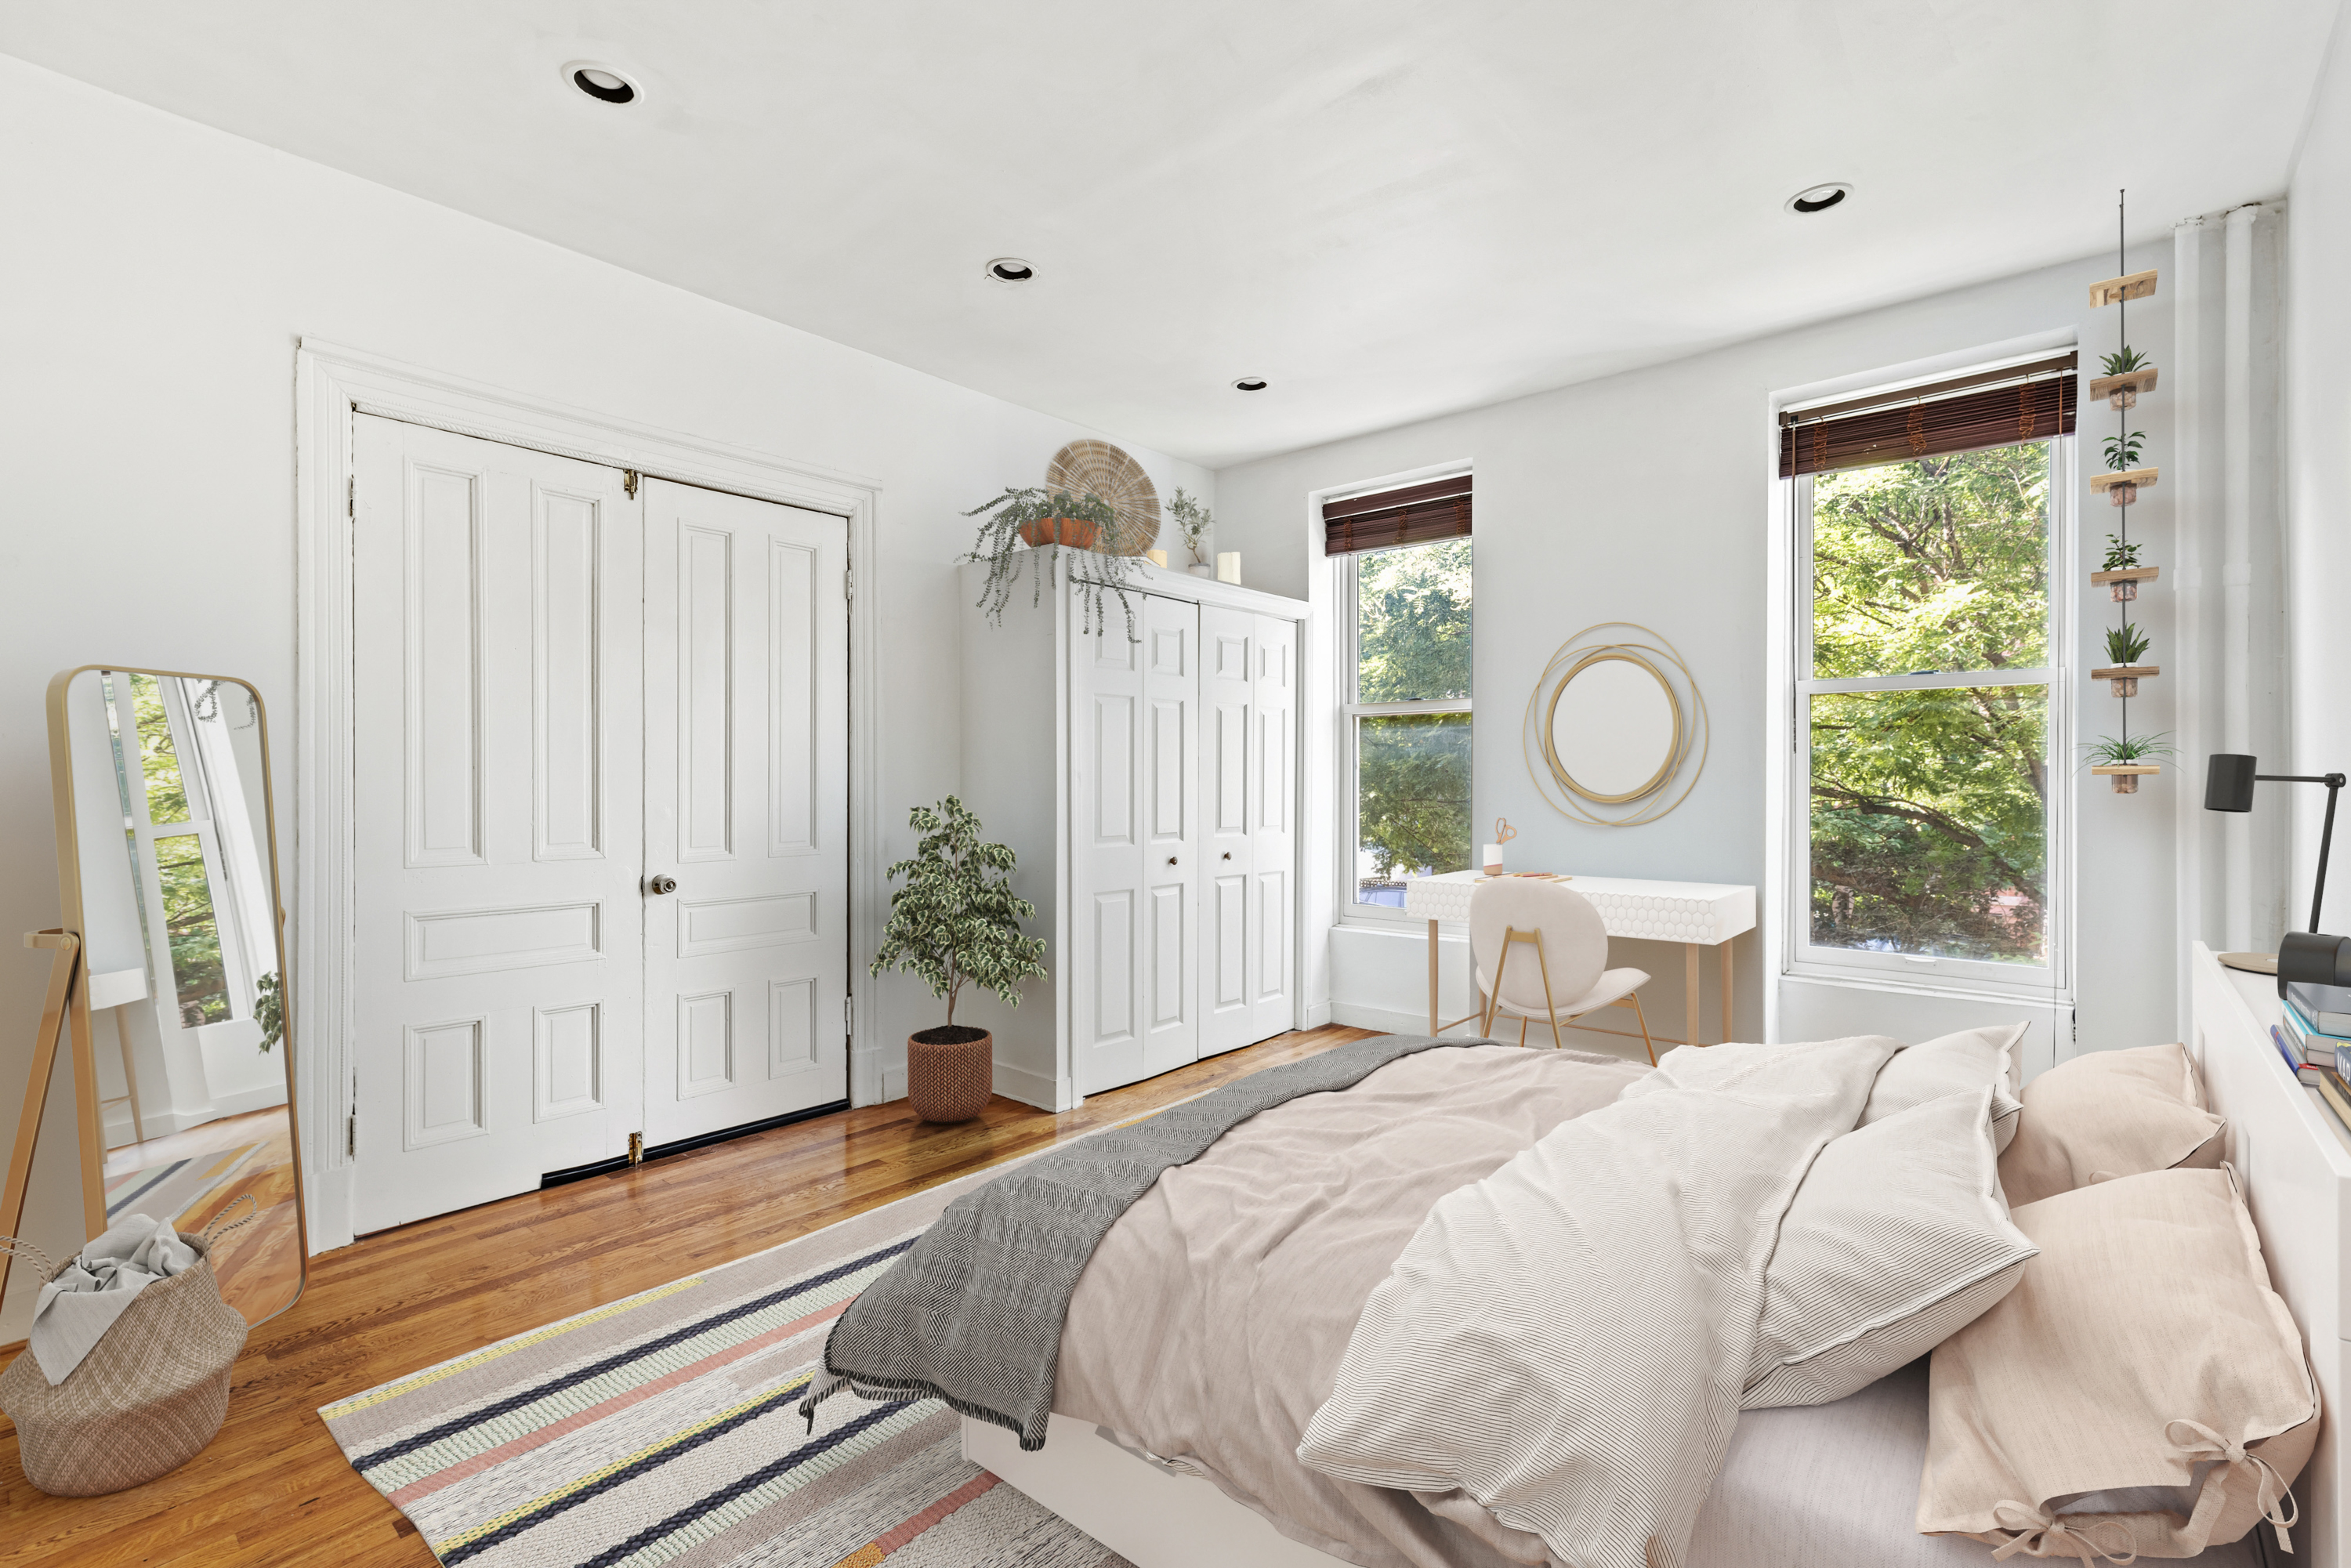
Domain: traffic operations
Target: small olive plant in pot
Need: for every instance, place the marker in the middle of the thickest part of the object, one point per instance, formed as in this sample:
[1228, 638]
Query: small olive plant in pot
[1192, 522]
[955, 923]
[1048, 522]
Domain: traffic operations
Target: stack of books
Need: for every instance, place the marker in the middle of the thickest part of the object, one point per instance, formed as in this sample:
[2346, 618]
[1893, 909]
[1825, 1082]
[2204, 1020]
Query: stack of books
[2315, 1041]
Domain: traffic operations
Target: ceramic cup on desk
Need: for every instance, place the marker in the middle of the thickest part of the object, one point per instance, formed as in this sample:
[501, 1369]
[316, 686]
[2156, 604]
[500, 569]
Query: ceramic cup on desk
[1492, 860]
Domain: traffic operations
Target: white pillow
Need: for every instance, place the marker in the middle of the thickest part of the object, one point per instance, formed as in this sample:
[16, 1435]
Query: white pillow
[1953, 1064]
[1897, 1239]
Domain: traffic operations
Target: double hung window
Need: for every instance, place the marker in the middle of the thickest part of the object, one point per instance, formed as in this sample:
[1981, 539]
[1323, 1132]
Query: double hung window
[1403, 562]
[1927, 781]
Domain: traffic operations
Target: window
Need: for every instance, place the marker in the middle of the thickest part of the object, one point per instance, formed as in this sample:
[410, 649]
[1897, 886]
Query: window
[1408, 692]
[1926, 809]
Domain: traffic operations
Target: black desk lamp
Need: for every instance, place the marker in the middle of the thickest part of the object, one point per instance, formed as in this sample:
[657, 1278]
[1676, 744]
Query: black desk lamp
[2310, 956]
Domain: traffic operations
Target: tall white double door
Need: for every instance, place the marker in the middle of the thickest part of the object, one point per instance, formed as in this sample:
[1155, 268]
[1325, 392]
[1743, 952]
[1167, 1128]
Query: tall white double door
[600, 779]
[1183, 783]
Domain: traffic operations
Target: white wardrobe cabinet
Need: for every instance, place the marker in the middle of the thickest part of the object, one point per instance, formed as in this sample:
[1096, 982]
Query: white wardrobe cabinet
[1150, 790]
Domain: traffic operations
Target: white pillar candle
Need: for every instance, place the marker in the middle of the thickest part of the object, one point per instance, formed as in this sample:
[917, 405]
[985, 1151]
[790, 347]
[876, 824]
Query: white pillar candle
[1229, 566]
[1158, 557]
[1493, 860]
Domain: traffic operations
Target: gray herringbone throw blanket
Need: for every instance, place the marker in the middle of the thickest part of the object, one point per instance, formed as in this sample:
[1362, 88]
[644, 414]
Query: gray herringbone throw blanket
[972, 1314]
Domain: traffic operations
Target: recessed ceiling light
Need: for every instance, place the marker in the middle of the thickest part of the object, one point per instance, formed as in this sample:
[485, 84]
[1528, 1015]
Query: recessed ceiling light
[1819, 198]
[600, 82]
[1250, 383]
[1010, 269]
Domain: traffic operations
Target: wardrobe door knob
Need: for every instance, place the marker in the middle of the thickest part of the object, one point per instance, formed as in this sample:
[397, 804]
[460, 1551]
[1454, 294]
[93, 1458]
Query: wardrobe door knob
[1228, 854]
[1171, 860]
[661, 884]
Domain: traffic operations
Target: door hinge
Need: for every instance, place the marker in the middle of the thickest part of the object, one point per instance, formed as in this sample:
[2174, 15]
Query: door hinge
[849, 1015]
[629, 477]
[849, 583]
[350, 494]
[636, 1148]
[351, 1136]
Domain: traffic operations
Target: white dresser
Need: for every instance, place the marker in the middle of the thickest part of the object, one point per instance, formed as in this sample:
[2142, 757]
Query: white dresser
[1695, 914]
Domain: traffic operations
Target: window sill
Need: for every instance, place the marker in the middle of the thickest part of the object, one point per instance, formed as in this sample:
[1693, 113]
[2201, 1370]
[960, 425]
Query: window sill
[2050, 995]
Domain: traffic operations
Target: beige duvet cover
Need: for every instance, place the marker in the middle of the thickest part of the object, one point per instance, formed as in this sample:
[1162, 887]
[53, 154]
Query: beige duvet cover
[1211, 1324]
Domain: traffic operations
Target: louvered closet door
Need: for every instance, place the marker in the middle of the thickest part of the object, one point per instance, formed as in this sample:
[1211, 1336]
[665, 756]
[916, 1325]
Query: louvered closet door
[746, 808]
[1134, 767]
[497, 760]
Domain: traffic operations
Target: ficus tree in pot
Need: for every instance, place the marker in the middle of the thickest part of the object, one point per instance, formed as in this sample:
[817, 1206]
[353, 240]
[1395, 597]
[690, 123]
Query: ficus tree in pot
[955, 923]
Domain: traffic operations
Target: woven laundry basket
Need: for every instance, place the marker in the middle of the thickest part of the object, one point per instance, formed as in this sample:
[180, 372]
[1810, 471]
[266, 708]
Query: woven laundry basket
[148, 1397]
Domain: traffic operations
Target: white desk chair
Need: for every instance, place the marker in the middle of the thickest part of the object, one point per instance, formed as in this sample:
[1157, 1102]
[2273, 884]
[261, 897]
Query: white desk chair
[1540, 951]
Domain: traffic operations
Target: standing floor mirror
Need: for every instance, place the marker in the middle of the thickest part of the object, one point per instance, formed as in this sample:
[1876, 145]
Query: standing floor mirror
[167, 988]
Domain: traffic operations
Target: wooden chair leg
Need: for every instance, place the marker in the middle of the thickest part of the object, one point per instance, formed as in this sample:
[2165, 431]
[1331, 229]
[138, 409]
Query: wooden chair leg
[1494, 1003]
[1522, 1034]
[1642, 1018]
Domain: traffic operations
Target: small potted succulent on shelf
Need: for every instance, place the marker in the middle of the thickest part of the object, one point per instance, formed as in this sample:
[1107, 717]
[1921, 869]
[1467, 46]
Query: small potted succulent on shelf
[2122, 457]
[1046, 522]
[2127, 760]
[2121, 556]
[2128, 361]
[2125, 646]
[1193, 521]
[955, 923]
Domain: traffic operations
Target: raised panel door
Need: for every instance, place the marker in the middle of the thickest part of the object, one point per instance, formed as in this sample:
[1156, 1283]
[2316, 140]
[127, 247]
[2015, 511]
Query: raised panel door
[1227, 724]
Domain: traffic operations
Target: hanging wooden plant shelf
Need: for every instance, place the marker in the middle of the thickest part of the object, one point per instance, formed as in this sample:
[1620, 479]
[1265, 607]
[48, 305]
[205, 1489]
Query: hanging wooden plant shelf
[2124, 584]
[2115, 290]
[2125, 776]
[2123, 391]
[2126, 677]
[2123, 488]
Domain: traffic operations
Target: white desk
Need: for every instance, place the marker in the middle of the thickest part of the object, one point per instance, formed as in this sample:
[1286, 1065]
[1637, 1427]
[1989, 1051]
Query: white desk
[1695, 914]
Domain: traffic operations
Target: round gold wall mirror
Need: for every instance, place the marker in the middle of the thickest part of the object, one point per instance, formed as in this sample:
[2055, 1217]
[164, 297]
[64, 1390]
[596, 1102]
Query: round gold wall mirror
[1613, 730]
[1616, 731]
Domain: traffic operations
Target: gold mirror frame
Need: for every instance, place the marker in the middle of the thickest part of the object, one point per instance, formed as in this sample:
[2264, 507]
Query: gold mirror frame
[1636, 644]
[1672, 752]
[67, 1011]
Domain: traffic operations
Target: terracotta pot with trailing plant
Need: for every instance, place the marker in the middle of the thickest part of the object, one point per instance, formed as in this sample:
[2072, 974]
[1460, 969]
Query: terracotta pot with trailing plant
[1049, 522]
[955, 923]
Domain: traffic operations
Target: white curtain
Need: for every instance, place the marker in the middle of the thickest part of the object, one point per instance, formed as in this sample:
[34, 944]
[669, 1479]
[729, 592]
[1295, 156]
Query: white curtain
[2222, 480]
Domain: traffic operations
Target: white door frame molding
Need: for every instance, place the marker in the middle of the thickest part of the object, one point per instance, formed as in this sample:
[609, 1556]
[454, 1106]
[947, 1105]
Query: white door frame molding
[332, 383]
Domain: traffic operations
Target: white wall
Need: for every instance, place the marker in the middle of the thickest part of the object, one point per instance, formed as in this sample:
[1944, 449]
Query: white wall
[1647, 497]
[157, 276]
[2318, 477]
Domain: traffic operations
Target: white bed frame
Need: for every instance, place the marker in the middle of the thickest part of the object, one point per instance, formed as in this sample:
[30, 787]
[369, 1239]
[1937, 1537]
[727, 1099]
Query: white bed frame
[2293, 1159]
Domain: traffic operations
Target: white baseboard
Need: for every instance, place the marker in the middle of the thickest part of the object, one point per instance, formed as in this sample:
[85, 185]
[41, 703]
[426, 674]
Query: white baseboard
[1317, 1015]
[1028, 1086]
[893, 1084]
[327, 1208]
[1353, 1015]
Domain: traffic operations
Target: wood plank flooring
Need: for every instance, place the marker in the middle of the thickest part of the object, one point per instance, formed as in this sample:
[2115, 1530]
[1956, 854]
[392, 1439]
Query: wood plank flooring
[273, 1489]
[258, 1264]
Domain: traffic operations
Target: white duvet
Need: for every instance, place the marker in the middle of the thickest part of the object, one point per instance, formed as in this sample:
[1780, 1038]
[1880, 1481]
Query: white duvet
[1563, 1344]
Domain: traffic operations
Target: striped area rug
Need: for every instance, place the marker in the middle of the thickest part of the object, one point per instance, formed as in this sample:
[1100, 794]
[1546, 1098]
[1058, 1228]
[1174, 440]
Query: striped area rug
[662, 1429]
[169, 1190]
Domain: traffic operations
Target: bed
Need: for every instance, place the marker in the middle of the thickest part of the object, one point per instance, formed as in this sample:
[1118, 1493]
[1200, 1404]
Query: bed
[1210, 1321]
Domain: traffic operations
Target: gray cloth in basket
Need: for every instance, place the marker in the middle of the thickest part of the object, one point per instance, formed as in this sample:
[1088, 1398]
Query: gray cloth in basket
[972, 1313]
[88, 1295]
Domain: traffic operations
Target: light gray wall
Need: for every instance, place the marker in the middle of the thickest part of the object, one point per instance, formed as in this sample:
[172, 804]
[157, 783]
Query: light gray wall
[2318, 477]
[158, 275]
[1646, 497]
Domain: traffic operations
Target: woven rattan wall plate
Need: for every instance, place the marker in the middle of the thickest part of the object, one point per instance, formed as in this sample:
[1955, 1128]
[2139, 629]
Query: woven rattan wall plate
[1680, 744]
[1103, 470]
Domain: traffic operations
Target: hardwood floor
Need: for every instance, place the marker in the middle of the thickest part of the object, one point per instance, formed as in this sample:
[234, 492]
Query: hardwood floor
[258, 1264]
[273, 1489]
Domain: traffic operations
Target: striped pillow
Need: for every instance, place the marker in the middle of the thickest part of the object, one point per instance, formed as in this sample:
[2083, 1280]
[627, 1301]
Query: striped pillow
[1952, 1064]
[1897, 1239]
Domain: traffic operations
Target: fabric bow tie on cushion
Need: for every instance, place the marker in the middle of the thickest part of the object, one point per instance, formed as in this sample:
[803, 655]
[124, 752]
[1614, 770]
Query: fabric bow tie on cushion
[2040, 1533]
[2198, 1441]
[83, 1300]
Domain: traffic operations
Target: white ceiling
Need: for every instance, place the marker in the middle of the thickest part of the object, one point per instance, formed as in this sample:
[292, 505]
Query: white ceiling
[1389, 210]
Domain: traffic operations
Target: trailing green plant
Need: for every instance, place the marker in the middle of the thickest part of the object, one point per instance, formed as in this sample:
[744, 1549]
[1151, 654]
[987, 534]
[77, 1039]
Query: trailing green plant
[2122, 450]
[1193, 521]
[958, 921]
[2125, 361]
[2121, 555]
[2126, 643]
[2106, 751]
[999, 546]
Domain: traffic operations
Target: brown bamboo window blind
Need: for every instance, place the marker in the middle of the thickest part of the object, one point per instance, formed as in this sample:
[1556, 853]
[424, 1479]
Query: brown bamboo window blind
[1412, 515]
[1966, 413]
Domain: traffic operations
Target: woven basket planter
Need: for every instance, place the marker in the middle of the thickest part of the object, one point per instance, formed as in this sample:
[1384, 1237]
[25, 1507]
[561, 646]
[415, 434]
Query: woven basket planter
[147, 1398]
[950, 1072]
